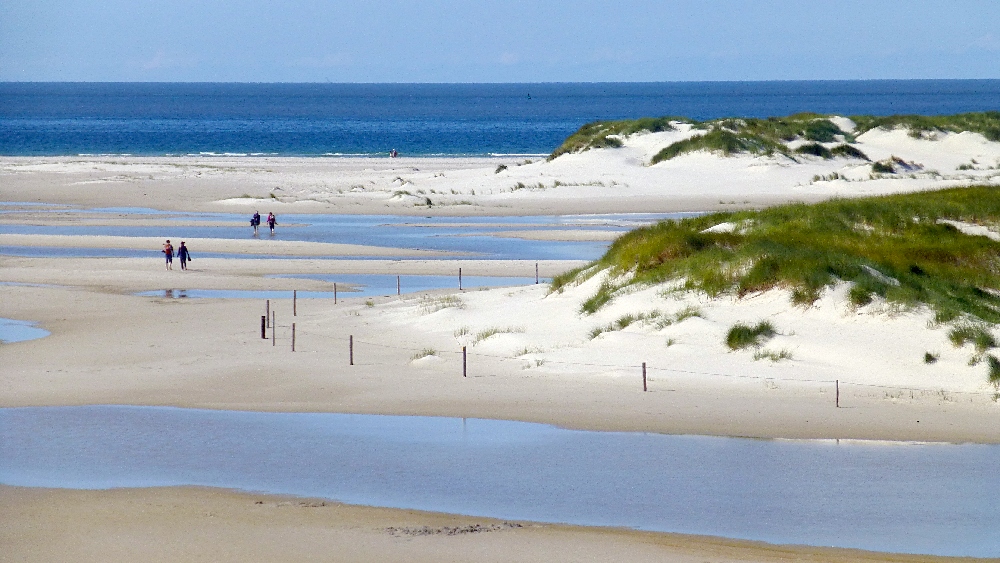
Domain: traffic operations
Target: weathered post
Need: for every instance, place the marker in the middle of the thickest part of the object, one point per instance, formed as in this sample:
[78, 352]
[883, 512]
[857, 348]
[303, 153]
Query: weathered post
[460, 279]
[465, 372]
[334, 293]
[293, 337]
[267, 312]
[536, 273]
[350, 348]
[838, 393]
[295, 298]
[644, 389]
[397, 285]
[263, 327]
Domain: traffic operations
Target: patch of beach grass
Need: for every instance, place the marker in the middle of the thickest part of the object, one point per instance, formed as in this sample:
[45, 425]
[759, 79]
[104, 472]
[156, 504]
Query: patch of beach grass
[526, 350]
[772, 355]
[986, 123]
[883, 167]
[994, 369]
[430, 304]
[979, 336]
[848, 151]
[742, 336]
[815, 149]
[493, 331]
[424, 353]
[721, 141]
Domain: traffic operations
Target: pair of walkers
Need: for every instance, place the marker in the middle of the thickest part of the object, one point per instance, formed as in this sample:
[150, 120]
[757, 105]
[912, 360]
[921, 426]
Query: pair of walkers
[182, 254]
[255, 222]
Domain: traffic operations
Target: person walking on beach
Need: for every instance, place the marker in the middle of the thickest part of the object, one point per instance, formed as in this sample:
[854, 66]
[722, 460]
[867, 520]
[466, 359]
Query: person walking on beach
[184, 255]
[255, 222]
[271, 221]
[168, 252]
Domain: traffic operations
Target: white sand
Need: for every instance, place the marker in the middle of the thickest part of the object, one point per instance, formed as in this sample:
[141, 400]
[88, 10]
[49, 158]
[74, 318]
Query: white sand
[531, 354]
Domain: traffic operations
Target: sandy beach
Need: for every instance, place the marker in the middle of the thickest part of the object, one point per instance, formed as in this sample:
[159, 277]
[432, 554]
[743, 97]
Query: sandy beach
[533, 356]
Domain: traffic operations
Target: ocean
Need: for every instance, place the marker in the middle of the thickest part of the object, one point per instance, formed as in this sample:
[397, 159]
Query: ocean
[155, 119]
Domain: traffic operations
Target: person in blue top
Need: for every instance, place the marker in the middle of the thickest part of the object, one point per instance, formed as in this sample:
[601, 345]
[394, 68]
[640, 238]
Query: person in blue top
[184, 255]
[255, 222]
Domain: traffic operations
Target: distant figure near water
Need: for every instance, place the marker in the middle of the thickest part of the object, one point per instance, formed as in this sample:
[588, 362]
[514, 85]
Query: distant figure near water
[168, 253]
[255, 222]
[184, 255]
[393, 153]
[271, 221]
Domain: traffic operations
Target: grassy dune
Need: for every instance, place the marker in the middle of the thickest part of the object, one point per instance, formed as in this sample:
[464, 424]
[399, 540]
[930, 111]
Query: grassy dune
[771, 135]
[891, 247]
[602, 134]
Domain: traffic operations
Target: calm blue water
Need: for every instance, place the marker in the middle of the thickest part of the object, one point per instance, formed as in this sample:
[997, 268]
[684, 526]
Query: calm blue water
[931, 498]
[467, 235]
[416, 119]
[13, 330]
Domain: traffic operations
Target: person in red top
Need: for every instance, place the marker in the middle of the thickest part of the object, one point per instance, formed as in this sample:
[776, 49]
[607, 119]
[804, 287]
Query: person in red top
[271, 221]
[168, 252]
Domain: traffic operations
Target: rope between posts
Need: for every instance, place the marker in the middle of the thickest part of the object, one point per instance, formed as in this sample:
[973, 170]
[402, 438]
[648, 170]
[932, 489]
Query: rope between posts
[417, 348]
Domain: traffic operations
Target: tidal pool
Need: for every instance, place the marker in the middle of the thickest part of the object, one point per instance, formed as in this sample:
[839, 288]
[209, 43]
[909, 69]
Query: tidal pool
[13, 330]
[897, 497]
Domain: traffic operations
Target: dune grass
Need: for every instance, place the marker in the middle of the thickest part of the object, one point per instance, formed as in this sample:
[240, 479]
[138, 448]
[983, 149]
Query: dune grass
[722, 141]
[892, 248]
[601, 134]
[760, 136]
[986, 123]
[769, 136]
[742, 336]
[493, 331]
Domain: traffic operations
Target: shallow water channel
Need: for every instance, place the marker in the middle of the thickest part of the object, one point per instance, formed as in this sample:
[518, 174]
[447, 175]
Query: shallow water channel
[352, 285]
[473, 237]
[917, 498]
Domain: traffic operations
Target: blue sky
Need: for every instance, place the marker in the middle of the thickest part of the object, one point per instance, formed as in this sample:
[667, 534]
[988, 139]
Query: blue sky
[487, 41]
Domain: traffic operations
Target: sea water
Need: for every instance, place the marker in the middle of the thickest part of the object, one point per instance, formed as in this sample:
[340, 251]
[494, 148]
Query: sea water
[899, 497]
[415, 119]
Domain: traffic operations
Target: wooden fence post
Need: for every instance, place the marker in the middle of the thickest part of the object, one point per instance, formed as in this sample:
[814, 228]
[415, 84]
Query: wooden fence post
[350, 348]
[838, 393]
[267, 312]
[334, 293]
[293, 337]
[644, 388]
[460, 279]
[397, 285]
[295, 298]
[536, 273]
[263, 327]
[465, 372]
